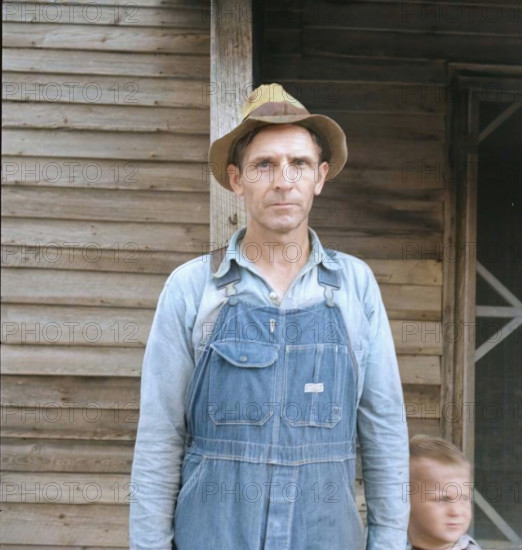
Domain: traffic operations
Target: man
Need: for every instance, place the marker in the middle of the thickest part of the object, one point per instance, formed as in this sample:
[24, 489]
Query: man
[264, 361]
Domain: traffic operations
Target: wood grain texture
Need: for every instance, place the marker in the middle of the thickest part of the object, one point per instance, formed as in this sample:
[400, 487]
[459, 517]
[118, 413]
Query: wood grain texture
[106, 90]
[366, 96]
[106, 145]
[105, 173]
[103, 38]
[119, 118]
[124, 238]
[72, 360]
[425, 271]
[69, 488]
[479, 48]
[72, 524]
[103, 13]
[73, 62]
[133, 290]
[353, 68]
[110, 205]
[48, 455]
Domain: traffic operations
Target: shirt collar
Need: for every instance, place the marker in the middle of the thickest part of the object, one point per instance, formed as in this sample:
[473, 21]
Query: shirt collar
[318, 254]
[464, 542]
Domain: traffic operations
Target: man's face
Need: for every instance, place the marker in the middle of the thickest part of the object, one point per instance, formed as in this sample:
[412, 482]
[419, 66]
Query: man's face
[440, 505]
[280, 176]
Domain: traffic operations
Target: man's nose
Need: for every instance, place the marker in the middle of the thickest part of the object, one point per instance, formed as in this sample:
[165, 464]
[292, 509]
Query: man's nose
[285, 176]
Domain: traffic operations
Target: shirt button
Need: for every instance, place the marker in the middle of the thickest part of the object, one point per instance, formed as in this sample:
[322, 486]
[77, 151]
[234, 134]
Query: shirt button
[273, 295]
[243, 358]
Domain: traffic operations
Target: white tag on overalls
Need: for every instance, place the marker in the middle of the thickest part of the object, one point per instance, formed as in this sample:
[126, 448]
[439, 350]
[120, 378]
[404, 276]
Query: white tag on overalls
[314, 388]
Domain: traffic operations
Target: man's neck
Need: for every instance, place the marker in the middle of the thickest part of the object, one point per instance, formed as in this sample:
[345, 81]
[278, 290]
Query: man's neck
[279, 258]
[275, 251]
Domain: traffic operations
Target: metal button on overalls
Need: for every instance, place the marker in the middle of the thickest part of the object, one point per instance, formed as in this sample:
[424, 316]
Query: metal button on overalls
[271, 413]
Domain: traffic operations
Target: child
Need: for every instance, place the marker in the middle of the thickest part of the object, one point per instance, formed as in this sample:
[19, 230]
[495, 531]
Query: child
[441, 494]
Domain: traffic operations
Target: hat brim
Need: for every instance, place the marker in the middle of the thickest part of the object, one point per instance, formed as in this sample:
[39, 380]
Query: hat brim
[330, 132]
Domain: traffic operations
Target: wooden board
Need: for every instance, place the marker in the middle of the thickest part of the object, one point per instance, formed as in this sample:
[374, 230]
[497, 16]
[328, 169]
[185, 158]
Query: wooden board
[118, 118]
[158, 206]
[48, 455]
[95, 361]
[363, 244]
[72, 360]
[421, 181]
[358, 68]
[120, 258]
[47, 420]
[106, 90]
[418, 337]
[429, 17]
[71, 391]
[70, 423]
[106, 145]
[425, 272]
[124, 239]
[105, 38]
[376, 215]
[63, 325]
[478, 48]
[127, 14]
[133, 290]
[420, 369]
[68, 488]
[109, 205]
[71, 525]
[105, 173]
[365, 96]
[193, 67]
[177, 4]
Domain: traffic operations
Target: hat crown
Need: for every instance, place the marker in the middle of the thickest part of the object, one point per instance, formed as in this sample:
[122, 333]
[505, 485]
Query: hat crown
[271, 99]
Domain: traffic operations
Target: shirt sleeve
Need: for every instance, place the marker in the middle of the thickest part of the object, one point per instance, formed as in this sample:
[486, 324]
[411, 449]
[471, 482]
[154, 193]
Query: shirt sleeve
[383, 432]
[160, 443]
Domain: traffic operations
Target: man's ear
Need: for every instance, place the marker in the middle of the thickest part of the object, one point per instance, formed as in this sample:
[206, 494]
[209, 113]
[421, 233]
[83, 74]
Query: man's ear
[234, 179]
[320, 177]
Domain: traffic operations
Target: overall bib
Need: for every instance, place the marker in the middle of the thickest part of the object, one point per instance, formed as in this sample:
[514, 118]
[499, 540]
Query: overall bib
[271, 415]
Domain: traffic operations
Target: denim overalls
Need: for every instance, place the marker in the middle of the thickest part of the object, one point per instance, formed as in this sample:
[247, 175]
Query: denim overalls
[271, 413]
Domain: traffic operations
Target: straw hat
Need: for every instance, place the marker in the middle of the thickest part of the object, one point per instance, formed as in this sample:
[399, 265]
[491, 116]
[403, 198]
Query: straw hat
[271, 104]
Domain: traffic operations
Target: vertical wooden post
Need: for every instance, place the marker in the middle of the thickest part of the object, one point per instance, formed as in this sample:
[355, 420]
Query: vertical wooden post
[465, 303]
[231, 82]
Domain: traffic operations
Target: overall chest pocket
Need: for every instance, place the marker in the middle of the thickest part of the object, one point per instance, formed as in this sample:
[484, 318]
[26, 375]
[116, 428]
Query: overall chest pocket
[314, 384]
[241, 382]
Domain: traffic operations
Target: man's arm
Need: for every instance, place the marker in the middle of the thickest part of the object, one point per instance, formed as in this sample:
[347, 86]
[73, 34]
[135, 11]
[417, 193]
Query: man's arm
[383, 433]
[167, 367]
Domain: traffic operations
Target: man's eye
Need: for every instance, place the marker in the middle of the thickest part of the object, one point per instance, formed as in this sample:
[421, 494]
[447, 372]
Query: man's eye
[263, 164]
[299, 162]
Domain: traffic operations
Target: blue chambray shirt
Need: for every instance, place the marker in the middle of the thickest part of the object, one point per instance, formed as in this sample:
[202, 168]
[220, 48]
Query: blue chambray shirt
[465, 542]
[184, 319]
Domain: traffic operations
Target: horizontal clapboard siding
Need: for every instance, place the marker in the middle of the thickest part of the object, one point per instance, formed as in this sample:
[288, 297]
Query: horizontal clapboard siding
[378, 68]
[106, 132]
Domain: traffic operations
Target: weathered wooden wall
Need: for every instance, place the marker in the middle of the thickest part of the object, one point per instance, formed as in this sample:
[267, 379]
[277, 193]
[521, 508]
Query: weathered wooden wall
[106, 127]
[381, 69]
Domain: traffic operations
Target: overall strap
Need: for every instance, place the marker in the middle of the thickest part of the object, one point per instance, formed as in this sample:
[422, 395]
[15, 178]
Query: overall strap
[328, 278]
[230, 278]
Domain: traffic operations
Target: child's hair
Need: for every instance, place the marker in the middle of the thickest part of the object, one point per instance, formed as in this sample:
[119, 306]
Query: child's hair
[438, 449]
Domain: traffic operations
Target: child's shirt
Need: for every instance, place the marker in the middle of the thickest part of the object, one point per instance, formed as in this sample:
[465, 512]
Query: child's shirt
[465, 542]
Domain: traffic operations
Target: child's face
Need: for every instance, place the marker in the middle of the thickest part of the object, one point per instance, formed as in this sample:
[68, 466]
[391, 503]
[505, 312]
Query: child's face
[440, 503]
